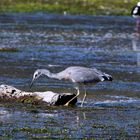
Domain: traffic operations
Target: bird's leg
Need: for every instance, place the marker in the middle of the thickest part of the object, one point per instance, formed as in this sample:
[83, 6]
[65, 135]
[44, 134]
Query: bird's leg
[84, 96]
[137, 24]
[78, 92]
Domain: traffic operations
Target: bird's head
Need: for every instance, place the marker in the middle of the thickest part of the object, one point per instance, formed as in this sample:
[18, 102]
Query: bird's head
[138, 4]
[36, 75]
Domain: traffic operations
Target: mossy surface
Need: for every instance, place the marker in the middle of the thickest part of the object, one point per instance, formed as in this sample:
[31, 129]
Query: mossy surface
[93, 7]
[9, 49]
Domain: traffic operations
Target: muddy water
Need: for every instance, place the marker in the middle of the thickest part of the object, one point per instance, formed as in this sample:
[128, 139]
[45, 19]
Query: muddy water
[54, 42]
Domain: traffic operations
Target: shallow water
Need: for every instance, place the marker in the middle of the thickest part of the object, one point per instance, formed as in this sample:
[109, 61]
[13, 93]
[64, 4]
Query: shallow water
[111, 44]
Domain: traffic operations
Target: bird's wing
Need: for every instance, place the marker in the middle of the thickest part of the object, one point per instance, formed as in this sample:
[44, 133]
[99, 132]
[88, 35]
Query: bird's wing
[133, 10]
[84, 75]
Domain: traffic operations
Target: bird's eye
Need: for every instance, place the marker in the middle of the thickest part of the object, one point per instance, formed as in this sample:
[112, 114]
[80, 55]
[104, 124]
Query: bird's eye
[35, 75]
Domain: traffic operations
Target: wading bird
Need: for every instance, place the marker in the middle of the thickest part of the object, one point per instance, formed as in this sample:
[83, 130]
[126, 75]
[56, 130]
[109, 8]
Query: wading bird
[76, 74]
[135, 12]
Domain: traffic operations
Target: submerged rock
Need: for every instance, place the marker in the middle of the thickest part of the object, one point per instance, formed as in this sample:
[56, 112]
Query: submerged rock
[50, 98]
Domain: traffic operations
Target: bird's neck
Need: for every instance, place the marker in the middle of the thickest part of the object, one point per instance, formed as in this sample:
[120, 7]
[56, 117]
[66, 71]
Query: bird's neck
[52, 75]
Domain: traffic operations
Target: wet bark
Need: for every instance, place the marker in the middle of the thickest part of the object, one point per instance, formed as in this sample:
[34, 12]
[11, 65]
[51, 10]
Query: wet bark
[50, 98]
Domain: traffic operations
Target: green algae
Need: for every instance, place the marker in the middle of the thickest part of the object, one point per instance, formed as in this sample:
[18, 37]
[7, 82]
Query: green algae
[93, 7]
[8, 49]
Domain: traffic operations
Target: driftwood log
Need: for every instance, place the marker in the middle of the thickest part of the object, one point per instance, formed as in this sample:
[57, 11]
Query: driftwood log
[50, 98]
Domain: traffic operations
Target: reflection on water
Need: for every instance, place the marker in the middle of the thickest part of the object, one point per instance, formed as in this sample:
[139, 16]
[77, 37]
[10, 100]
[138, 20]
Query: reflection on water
[56, 42]
[136, 46]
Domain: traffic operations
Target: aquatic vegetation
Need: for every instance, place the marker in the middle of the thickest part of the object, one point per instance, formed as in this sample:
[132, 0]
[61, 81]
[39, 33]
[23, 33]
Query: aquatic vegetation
[101, 126]
[95, 7]
[8, 49]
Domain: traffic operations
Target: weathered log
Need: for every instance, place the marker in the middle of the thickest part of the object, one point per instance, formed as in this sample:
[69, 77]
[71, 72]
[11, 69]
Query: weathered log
[48, 97]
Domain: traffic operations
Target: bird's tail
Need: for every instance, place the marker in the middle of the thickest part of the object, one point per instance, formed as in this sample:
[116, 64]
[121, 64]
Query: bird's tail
[107, 77]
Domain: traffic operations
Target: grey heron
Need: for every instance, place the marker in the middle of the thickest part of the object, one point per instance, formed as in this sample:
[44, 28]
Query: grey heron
[76, 74]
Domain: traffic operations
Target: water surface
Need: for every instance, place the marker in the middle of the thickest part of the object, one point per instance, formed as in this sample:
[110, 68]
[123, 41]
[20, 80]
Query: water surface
[55, 42]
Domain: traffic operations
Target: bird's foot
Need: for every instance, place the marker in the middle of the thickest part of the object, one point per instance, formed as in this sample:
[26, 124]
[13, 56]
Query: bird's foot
[67, 104]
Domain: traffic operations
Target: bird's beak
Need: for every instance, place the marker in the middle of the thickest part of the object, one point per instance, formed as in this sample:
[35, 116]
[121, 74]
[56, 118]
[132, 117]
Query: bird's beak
[31, 83]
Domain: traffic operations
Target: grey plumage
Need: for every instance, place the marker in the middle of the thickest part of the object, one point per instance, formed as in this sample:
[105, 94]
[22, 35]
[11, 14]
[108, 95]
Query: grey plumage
[76, 74]
[84, 75]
